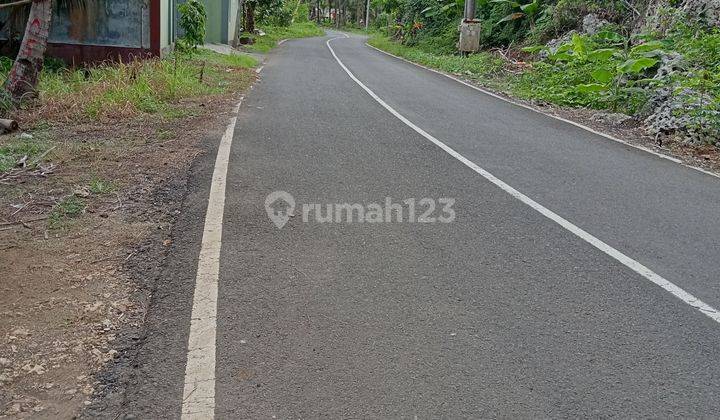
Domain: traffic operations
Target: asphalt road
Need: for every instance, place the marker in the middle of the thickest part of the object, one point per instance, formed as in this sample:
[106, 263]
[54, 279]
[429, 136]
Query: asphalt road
[500, 313]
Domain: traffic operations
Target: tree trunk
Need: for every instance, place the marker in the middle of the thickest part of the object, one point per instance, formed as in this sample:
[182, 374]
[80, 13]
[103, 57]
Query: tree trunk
[238, 23]
[250, 16]
[338, 10]
[23, 77]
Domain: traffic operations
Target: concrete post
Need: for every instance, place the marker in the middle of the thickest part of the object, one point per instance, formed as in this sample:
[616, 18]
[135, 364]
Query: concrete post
[469, 30]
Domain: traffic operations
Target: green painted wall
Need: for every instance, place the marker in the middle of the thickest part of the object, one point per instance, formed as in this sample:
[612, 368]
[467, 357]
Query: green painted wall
[220, 20]
[165, 9]
[213, 32]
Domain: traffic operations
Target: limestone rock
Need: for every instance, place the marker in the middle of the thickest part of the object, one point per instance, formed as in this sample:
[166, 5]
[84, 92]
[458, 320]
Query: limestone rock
[592, 24]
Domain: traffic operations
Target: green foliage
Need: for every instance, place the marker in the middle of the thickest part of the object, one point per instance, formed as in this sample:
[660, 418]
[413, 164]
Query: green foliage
[520, 10]
[302, 13]
[609, 70]
[449, 8]
[273, 34]
[6, 64]
[53, 64]
[568, 14]
[482, 66]
[274, 12]
[440, 41]
[700, 47]
[193, 18]
[147, 86]
[503, 23]
[598, 71]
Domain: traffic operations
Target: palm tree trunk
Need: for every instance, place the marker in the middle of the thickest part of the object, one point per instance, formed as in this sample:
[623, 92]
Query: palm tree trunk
[24, 75]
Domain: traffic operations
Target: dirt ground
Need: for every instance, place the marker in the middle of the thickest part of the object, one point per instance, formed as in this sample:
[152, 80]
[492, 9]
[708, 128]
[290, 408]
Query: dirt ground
[74, 291]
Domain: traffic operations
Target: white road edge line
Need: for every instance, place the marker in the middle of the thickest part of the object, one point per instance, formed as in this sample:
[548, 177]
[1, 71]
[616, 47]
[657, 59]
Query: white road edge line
[565, 120]
[637, 267]
[199, 390]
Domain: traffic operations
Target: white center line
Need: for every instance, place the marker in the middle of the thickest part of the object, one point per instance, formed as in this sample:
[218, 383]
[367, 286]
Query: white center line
[199, 391]
[632, 264]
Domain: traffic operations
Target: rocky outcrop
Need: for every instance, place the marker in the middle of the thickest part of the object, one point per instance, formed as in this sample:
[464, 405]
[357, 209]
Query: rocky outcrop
[592, 24]
[660, 15]
[673, 108]
[685, 113]
[706, 12]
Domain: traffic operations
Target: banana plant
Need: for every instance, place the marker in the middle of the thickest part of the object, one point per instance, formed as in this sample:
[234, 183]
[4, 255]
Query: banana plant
[529, 10]
[443, 8]
[631, 64]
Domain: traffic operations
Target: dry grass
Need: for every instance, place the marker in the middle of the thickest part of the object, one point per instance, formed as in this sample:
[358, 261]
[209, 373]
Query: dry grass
[120, 139]
[112, 91]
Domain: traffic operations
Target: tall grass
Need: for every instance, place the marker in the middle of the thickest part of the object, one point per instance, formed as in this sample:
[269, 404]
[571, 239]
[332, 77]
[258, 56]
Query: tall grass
[140, 86]
[480, 66]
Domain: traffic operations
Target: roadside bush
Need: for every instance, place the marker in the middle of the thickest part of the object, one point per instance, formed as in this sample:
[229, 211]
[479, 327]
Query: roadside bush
[302, 13]
[275, 12]
[666, 75]
[599, 71]
[672, 83]
[442, 40]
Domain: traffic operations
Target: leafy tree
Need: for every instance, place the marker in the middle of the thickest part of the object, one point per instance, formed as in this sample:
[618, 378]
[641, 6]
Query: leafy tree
[193, 18]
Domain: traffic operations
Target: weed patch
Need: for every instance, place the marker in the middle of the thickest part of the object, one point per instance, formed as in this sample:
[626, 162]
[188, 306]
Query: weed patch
[66, 209]
[101, 186]
[28, 149]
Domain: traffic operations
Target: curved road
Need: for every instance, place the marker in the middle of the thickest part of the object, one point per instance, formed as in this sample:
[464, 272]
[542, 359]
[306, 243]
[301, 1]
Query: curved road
[503, 312]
